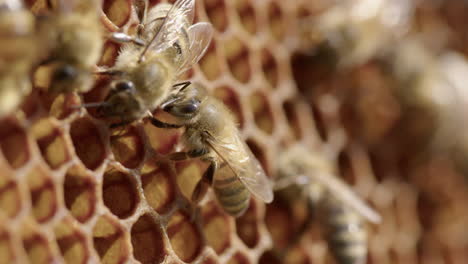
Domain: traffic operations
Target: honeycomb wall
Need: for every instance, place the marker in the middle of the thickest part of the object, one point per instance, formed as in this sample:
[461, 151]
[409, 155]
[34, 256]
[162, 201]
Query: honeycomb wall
[74, 191]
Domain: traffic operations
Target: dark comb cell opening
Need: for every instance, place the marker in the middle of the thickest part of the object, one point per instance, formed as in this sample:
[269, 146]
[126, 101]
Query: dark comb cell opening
[14, 144]
[88, 143]
[292, 113]
[263, 114]
[237, 55]
[79, 194]
[147, 240]
[158, 188]
[269, 67]
[119, 193]
[51, 142]
[127, 147]
[216, 11]
[239, 258]
[216, 227]
[180, 230]
[71, 243]
[10, 200]
[43, 195]
[118, 11]
[247, 16]
[109, 241]
[247, 228]
[209, 64]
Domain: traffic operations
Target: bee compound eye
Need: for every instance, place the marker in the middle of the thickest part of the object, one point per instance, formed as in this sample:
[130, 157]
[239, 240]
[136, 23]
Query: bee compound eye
[64, 73]
[125, 86]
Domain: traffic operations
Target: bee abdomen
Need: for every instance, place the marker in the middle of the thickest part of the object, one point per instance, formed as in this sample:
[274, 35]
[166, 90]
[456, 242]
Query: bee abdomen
[346, 235]
[232, 195]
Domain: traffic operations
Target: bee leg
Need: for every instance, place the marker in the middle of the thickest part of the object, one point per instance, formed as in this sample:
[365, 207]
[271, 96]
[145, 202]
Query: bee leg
[205, 182]
[194, 153]
[122, 38]
[161, 124]
[183, 84]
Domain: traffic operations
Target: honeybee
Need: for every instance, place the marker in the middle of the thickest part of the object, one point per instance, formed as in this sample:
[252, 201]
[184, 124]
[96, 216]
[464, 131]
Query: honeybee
[144, 75]
[74, 37]
[357, 30]
[342, 210]
[18, 53]
[211, 134]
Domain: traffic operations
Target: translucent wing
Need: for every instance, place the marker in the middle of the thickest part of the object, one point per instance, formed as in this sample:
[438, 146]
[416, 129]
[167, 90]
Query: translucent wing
[180, 15]
[200, 36]
[245, 166]
[343, 193]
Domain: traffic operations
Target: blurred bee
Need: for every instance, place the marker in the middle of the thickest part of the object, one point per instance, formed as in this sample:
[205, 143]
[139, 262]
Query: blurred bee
[342, 211]
[74, 36]
[18, 53]
[432, 91]
[145, 75]
[357, 30]
[212, 135]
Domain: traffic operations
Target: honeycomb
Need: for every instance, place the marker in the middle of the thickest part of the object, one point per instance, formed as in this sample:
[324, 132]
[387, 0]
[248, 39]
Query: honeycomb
[74, 191]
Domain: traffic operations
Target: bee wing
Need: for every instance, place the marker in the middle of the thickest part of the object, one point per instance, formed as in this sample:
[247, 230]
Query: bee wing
[181, 13]
[244, 165]
[200, 36]
[343, 193]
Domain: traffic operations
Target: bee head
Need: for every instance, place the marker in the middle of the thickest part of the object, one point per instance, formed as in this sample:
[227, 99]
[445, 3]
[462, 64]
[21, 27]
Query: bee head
[186, 103]
[122, 102]
[67, 78]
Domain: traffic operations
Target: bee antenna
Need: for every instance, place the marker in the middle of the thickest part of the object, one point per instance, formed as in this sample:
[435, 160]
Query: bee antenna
[90, 105]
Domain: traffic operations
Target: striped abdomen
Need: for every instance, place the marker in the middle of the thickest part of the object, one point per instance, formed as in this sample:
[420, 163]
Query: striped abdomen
[346, 235]
[231, 193]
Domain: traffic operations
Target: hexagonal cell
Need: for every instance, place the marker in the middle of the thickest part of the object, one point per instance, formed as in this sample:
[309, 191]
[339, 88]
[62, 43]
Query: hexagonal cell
[238, 58]
[88, 143]
[119, 193]
[37, 247]
[247, 226]
[216, 11]
[14, 144]
[127, 147]
[10, 199]
[259, 154]
[158, 187]
[110, 52]
[71, 242]
[232, 100]
[147, 240]
[6, 247]
[109, 241]
[209, 64]
[269, 257]
[180, 230]
[118, 11]
[51, 142]
[319, 123]
[246, 13]
[43, 194]
[238, 258]
[270, 67]
[277, 221]
[189, 173]
[292, 113]
[346, 168]
[276, 21]
[162, 140]
[216, 227]
[263, 114]
[79, 192]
